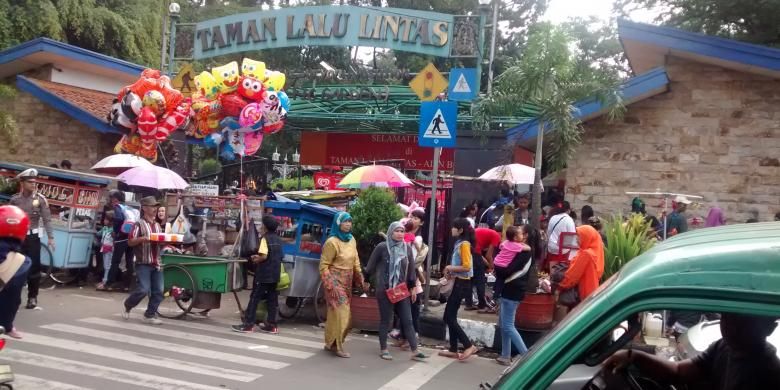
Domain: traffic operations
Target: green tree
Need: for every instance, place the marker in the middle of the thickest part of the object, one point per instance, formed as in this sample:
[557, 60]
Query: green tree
[548, 79]
[129, 29]
[750, 21]
[9, 130]
[372, 214]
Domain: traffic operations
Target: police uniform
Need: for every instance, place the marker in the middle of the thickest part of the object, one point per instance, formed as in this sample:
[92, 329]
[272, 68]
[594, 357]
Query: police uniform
[37, 209]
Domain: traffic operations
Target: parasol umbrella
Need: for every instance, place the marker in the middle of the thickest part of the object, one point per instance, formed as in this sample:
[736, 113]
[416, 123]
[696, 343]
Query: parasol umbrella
[375, 176]
[118, 163]
[153, 177]
[512, 173]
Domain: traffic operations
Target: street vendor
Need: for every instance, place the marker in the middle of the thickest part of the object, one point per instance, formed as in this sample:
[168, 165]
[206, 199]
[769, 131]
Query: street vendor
[37, 208]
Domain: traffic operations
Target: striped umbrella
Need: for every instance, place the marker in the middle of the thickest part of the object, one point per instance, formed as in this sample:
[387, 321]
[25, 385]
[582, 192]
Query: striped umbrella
[375, 176]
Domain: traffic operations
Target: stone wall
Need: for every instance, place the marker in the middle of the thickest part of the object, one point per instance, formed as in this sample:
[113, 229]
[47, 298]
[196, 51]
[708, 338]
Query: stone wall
[49, 136]
[716, 133]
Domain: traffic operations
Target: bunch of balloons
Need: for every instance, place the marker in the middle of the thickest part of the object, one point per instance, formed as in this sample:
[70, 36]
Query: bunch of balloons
[148, 111]
[235, 110]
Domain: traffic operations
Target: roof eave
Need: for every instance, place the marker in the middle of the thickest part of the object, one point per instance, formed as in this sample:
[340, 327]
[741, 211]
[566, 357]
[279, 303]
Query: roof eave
[635, 89]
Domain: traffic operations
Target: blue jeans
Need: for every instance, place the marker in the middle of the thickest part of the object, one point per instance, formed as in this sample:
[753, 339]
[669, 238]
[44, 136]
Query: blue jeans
[106, 265]
[11, 295]
[509, 334]
[150, 282]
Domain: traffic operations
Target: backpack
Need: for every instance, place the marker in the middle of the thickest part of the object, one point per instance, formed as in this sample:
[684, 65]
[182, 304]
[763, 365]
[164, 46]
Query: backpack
[131, 217]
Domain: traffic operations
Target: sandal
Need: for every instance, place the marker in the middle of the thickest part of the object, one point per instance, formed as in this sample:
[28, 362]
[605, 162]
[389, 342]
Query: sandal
[419, 357]
[343, 354]
[385, 355]
[467, 353]
[448, 354]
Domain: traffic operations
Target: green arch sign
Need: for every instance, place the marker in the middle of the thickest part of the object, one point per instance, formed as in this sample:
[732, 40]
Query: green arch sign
[392, 28]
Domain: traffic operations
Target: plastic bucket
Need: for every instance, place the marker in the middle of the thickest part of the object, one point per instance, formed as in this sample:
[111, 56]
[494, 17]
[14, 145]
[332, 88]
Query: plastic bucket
[535, 312]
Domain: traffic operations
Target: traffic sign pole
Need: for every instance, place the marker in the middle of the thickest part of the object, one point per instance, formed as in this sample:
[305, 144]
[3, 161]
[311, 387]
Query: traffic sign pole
[431, 232]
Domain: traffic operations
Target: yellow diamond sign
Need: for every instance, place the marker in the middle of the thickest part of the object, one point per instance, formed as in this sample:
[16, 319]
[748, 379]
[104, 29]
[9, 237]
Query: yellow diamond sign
[429, 83]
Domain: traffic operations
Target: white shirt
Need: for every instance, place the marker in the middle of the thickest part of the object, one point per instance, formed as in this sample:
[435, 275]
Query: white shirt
[559, 224]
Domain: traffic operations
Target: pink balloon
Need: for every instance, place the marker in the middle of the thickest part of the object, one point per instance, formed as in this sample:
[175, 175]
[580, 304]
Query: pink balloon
[250, 115]
[252, 142]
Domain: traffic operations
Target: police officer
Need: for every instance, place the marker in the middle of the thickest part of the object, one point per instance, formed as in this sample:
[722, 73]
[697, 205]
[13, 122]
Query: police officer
[37, 208]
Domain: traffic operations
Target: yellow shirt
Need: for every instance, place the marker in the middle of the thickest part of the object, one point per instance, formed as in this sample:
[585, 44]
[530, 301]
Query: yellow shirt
[263, 247]
[339, 254]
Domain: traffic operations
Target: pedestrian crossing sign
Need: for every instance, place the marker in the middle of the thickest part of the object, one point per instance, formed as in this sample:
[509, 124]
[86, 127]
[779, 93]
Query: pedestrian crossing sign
[438, 124]
[463, 84]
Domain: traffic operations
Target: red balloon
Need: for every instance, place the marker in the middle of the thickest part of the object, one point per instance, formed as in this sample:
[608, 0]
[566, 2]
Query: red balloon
[147, 124]
[232, 104]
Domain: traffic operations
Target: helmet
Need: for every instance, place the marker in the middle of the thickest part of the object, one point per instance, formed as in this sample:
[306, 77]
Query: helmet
[14, 223]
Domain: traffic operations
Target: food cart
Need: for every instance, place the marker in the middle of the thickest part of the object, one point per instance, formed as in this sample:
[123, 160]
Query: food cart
[304, 227]
[74, 199]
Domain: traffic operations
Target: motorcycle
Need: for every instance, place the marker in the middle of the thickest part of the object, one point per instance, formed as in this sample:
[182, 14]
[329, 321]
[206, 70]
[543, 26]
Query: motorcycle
[6, 376]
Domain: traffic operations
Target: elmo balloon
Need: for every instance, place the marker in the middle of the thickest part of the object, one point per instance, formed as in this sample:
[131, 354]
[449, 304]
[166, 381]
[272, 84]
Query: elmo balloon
[251, 88]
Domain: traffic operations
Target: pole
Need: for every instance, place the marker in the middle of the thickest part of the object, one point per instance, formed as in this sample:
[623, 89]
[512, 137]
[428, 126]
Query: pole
[480, 46]
[164, 28]
[431, 233]
[299, 175]
[536, 203]
[494, 24]
[172, 44]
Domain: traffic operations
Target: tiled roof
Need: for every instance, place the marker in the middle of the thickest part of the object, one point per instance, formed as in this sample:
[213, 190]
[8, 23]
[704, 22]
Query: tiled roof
[96, 103]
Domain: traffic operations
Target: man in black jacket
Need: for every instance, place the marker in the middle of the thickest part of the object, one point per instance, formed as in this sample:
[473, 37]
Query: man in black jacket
[268, 263]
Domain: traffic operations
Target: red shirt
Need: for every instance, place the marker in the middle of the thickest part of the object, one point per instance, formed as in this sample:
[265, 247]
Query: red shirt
[485, 238]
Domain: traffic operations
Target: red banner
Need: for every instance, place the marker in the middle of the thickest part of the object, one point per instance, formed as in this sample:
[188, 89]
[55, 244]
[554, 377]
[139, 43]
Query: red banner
[421, 194]
[347, 149]
[327, 181]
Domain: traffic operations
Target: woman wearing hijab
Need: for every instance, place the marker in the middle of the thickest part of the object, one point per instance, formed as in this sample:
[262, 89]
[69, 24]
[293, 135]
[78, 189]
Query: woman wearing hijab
[392, 264]
[339, 271]
[586, 268]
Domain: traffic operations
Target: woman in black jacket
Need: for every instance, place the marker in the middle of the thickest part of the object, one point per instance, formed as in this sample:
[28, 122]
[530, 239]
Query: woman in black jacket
[515, 279]
[391, 265]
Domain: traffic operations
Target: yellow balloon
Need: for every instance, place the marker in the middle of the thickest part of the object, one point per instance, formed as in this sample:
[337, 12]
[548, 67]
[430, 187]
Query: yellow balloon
[275, 80]
[227, 77]
[253, 68]
[206, 85]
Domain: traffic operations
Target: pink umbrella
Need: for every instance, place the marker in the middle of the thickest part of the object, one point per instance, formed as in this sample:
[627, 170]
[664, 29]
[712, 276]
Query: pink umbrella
[153, 177]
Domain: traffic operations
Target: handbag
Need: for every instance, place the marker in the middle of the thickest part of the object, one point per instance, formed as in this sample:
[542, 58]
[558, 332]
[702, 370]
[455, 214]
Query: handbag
[284, 280]
[445, 286]
[398, 293]
[570, 297]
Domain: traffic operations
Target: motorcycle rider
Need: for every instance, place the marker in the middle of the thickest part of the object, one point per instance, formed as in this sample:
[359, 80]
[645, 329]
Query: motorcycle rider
[14, 266]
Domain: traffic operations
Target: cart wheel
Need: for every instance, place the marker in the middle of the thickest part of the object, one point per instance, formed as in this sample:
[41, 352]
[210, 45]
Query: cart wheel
[180, 296]
[52, 274]
[290, 307]
[320, 306]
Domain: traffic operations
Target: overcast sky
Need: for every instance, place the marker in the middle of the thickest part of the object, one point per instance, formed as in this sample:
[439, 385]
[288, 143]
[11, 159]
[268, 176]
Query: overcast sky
[561, 10]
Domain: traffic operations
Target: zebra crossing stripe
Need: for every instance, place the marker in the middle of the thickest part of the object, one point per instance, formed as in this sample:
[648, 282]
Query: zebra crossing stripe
[23, 382]
[135, 357]
[101, 371]
[174, 333]
[166, 346]
[259, 336]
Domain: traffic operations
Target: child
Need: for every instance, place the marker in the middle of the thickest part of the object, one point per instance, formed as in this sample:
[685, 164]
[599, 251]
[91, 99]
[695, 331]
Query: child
[507, 252]
[106, 235]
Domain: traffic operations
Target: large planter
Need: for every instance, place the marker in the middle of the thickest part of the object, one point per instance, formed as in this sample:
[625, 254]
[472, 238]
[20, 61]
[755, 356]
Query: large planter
[535, 312]
[365, 313]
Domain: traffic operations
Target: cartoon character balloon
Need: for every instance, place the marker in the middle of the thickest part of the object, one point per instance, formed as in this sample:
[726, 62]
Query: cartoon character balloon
[148, 111]
[226, 77]
[233, 110]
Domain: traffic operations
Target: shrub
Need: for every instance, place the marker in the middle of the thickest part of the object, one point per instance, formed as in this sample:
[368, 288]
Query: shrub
[291, 183]
[372, 214]
[209, 166]
[627, 238]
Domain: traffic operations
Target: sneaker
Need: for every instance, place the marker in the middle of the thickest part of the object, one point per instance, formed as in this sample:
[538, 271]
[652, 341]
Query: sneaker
[31, 303]
[126, 314]
[268, 328]
[153, 320]
[419, 357]
[243, 328]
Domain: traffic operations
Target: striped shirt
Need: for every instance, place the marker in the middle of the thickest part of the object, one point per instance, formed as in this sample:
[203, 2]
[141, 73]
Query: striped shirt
[147, 252]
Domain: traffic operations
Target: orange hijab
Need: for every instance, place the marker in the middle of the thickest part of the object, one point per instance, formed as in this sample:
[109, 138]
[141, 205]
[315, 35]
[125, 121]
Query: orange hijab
[587, 266]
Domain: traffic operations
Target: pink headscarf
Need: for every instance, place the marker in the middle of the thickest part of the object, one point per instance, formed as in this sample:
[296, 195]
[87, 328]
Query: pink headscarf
[715, 218]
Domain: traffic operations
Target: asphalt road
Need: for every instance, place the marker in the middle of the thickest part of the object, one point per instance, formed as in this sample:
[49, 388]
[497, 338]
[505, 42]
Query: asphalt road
[78, 340]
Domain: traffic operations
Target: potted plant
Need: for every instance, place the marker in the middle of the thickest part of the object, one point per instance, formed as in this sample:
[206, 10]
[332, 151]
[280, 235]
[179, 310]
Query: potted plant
[627, 238]
[373, 212]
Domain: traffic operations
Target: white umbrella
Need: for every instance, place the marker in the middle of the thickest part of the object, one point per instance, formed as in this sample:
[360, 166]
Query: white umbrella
[118, 163]
[153, 177]
[512, 173]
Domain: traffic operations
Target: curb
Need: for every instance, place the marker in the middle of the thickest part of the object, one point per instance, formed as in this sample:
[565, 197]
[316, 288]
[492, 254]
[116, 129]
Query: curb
[482, 333]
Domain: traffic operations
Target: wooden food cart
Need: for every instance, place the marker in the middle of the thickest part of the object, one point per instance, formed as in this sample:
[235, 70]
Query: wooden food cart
[74, 200]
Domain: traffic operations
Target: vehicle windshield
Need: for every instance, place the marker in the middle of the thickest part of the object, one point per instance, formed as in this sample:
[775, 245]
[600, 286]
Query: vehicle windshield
[561, 325]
